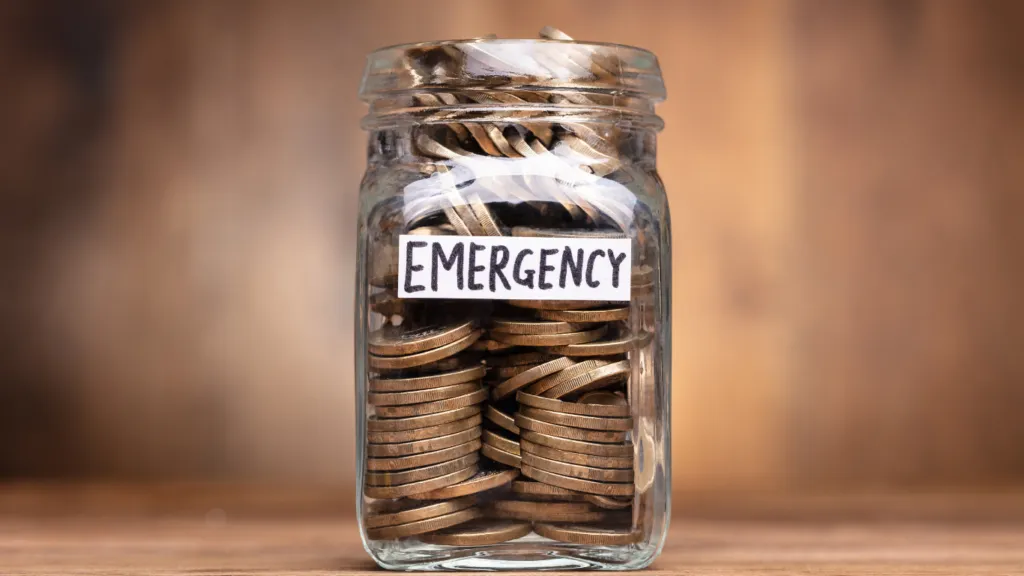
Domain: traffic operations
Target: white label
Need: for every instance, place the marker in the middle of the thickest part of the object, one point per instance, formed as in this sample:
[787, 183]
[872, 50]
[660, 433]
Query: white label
[514, 268]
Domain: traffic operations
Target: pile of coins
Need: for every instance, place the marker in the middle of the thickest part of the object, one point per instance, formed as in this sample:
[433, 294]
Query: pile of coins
[491, 420]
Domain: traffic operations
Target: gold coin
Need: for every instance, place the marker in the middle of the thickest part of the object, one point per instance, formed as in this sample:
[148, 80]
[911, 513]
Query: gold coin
[424, 526]
[387, 303]
[579, 446]
[500, 442]
[518, 359]
[501, 456]
[540, 490]
[530, 232]
[481, 482]
[483, 215]
[420, 396]
[608, 502]
[560, 340]
[554, 304]
[393, 512]
[549, 382]
[402, 341]
[390, 478]
[600, 348]
[423, 433]
[547, 511]
[503, 420]
[577, 470]
[422, 358]
[478, 533]
[426, 382]
[597, 378]
[506, 372]
[642, 274]
[423, 458]
[529, 376]
[449, 364]
[576, 458]
[374, 424]
[577, 421]
[578, 484]
[533, 327]
[605, 436]
[469, 399]
[586, 316]
[607, 405]
[490, 346]
[403, 490]
[592, 535]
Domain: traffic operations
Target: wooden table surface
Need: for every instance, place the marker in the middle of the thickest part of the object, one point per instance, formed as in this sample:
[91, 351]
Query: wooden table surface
[252, 532]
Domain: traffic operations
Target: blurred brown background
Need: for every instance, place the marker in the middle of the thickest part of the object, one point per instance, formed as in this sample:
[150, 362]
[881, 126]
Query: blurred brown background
[179, 187]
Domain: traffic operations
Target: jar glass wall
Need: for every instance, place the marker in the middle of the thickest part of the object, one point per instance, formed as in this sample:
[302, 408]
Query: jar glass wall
[513, 322]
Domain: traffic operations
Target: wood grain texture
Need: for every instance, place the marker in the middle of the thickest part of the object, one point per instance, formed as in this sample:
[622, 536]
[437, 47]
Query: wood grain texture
[221, 545]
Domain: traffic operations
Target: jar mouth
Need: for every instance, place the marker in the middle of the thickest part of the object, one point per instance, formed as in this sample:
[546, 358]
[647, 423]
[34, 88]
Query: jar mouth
[530, 65]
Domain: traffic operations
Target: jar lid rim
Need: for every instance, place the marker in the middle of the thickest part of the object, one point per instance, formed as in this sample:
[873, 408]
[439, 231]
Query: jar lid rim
[513, 64]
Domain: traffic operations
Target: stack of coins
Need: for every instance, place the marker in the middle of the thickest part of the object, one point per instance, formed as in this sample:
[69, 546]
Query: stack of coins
[518, 417]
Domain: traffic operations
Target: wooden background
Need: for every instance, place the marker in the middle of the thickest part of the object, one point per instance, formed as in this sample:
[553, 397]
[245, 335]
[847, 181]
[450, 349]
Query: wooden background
[846, 178]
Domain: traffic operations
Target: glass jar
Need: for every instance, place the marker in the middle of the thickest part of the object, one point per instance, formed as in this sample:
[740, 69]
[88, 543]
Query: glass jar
[513, 329]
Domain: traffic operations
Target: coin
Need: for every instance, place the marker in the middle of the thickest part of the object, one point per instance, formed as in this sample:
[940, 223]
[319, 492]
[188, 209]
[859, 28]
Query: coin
[506, 372]
[421, 396]
[374, 424]
[605, 436]
[642, 274]
[500, 442]
[518, 359]
[576, 458]
[592, 535]
[424, 433]
[554, 304]
[390, 478]
[599, 348]
[401, 340]
[609, 405]
[402, 490]
[394, 512]
[501, 456]
[597, 378]
[577, 470]
[423, 458]
[544, 491]
[424, 526]
[530, 232]
[529, 376]
[478, 395]
[481, 482]
[577, 421]
[586, 316]
[578, 484]
[549, 382]
[608, 502]
[421, 358]
[466, 359]
[483, 215]
[387, 303]
[579, 446]
[426, 382]
[547, 511]
[490, 346]
[533, 326]
[501, 419]
[478, 533]
[560, 340]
